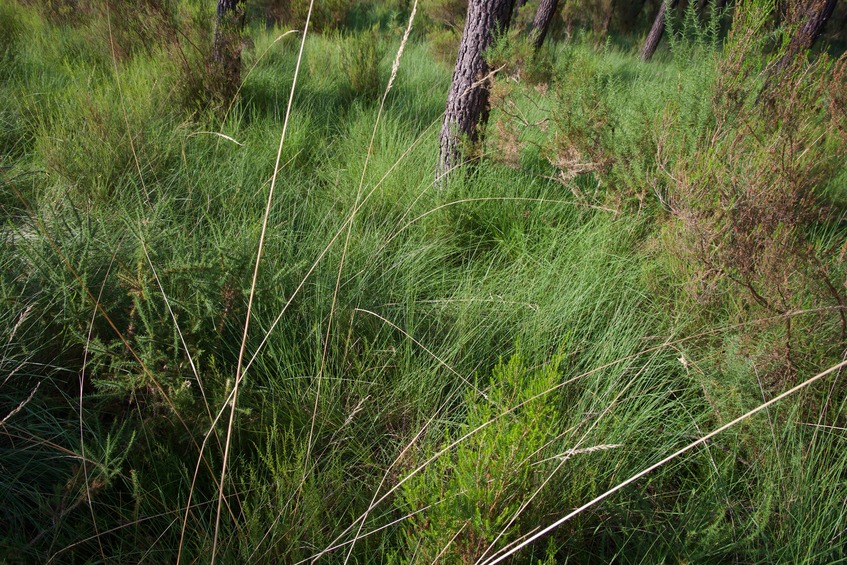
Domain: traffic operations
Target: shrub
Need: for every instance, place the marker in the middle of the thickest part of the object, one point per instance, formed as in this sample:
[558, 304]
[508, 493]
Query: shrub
[591, 119]
[361, 53]
[326, 15]
[751, 199]
[474, 492]
[442, 21]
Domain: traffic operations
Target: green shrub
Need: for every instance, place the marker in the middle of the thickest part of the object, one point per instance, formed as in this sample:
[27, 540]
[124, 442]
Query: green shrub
[474, 492]
[361, 54]
[590, 119]
[444, 45]
[442, 22]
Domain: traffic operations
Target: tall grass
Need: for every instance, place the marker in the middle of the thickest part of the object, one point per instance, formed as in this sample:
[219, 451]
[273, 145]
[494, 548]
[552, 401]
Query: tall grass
[500, 351]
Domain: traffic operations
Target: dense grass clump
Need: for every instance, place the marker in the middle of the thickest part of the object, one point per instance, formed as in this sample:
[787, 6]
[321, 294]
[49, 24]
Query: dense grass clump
[431, 373]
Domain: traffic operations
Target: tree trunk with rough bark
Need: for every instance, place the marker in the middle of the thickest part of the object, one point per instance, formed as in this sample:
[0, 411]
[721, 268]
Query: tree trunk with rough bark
[467, 103]
[657, 31]
[607, 19]
[817, 13]
[227, 44]
[541, 23]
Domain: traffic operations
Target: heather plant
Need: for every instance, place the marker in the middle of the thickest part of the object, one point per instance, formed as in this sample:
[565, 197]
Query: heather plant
[752, 200]
[476, 489]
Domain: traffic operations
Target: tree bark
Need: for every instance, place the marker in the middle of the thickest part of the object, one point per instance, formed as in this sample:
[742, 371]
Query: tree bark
[817, 13]
[541, 23]
[467, 103]
[657, 31]
[227, 44]
[607, 20]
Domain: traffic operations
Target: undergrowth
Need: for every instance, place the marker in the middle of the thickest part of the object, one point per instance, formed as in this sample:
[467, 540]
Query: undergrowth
[644, 253]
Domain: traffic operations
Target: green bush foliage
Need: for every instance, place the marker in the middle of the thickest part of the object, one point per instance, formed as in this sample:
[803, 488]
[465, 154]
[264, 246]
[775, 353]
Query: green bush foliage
[480, 487]
[361, 55]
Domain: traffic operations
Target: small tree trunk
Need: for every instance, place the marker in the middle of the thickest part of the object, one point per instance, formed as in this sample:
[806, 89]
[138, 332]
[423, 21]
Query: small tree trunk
[607, 20]
[541, 23]
[227, 44]
[657, 31]
[467, 102]
[817, 13]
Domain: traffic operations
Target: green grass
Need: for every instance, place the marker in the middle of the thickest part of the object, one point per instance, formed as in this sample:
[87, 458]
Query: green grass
[455, 306]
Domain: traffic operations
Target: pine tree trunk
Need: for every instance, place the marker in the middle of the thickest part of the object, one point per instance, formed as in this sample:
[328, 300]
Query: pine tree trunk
[467, 102]
[541, 23]
[607, 20]
[227, 45]
[657, 31]
[818, 13]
